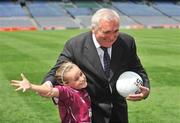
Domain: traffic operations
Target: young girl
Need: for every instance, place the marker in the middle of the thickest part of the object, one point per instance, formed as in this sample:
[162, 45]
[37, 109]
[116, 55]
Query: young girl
[74, 102]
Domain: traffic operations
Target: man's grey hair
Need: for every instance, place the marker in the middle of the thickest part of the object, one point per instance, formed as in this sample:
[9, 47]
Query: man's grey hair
[104, 14]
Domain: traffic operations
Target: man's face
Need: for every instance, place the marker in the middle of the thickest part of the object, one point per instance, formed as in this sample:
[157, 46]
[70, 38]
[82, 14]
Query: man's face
[107, 32]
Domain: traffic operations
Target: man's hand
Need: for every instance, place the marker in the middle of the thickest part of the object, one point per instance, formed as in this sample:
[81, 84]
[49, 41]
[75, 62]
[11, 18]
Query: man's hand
[144, 92]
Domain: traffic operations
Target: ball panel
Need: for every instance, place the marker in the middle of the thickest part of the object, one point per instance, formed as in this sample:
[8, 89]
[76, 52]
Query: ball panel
[128, 83]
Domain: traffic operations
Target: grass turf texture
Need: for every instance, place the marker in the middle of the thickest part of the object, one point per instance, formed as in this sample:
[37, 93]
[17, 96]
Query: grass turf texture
[34, 53]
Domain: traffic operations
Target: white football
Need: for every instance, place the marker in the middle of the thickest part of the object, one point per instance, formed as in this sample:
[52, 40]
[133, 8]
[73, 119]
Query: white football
[128, 83]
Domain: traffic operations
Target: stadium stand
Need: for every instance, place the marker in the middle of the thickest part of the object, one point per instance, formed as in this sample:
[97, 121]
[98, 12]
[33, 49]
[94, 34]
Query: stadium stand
[63, 14]
[85, 20]
[51, 16]
[82, 12]
[169, 9]
[81, 15]
[63, 22]
[45, 9]
[13, 17]
[145, 15]
[87, 4]
[79, 11]
[11, 10]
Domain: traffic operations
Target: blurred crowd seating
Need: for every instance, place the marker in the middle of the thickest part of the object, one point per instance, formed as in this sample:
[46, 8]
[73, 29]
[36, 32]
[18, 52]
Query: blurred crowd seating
[64, 14]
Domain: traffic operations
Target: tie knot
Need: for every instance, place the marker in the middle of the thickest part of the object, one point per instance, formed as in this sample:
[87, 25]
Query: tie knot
[104, 48]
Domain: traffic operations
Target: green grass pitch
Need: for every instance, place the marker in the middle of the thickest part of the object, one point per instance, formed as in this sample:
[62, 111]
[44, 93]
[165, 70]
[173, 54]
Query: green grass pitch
[34, 53]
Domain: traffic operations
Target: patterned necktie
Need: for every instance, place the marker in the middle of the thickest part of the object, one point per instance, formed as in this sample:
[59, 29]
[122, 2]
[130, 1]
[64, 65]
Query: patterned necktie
[106, 60]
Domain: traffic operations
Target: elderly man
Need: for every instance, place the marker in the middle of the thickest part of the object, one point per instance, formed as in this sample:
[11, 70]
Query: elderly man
[103, 54]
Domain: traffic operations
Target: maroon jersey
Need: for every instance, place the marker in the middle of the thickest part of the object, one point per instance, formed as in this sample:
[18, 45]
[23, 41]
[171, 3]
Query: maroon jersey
[74, 105]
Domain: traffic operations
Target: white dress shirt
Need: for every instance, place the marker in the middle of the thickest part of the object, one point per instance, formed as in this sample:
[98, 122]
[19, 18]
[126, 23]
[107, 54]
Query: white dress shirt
[99, 50]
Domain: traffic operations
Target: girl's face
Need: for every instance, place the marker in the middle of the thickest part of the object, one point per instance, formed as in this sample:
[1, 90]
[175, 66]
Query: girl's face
[76, 78]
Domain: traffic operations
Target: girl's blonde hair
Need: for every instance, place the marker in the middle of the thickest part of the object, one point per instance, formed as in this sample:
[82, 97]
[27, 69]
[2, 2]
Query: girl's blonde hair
[65, 67]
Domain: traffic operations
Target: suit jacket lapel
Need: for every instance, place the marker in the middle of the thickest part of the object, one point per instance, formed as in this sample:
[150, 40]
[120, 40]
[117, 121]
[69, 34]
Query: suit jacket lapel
[91, 55]
[118, 61]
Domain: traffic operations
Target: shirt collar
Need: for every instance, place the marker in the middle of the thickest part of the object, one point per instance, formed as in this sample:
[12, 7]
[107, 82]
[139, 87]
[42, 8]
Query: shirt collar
[95, 41]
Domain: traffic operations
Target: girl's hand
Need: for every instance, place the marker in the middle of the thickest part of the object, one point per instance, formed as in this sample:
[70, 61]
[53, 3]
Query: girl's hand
[24, 84]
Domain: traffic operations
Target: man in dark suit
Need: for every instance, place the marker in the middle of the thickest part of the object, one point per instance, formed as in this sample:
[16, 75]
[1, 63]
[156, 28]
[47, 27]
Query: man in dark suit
[85, 51]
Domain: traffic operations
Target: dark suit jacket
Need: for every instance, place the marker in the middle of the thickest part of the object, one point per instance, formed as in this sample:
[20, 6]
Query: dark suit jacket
[107, 106]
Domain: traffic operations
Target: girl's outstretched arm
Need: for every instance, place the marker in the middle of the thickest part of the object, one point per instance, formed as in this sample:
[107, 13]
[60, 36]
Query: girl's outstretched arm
[24, 85]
